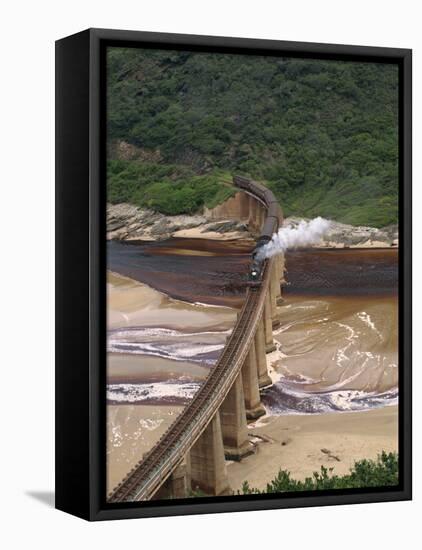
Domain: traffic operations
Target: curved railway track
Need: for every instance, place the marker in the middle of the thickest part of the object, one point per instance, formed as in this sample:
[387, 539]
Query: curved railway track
[143, 481]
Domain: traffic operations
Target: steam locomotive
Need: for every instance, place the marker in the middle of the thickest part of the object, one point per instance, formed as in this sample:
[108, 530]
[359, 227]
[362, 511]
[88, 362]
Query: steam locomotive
[269, 228]
[257, 265]
[273, 220]
[258, 260]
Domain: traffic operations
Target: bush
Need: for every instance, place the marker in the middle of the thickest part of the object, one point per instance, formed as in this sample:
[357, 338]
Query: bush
[167, 189]
[323, 134]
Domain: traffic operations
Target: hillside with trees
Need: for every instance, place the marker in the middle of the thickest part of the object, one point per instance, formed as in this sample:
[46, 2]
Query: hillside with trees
[323, 135]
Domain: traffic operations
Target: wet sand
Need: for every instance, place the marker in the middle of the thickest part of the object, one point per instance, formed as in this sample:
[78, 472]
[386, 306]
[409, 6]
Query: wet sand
[146, 393]
[333, 354]
[295, 443]
[337, 345]
[131, 431]
[199, 233]
[131, 303]
[122, 368]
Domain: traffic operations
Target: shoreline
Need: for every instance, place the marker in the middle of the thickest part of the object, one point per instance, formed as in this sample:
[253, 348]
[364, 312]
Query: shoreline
[331, 246]
[134, 303]
[127, 222]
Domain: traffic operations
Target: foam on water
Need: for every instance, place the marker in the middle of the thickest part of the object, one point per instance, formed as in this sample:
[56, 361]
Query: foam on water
[282, 399]
[199, 347]
[139, 393]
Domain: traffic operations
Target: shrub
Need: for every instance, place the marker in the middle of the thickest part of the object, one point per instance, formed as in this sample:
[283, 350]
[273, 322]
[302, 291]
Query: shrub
[167, 189]
[323, 134]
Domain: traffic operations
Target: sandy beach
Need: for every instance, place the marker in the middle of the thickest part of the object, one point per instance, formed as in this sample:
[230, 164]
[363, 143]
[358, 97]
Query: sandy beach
[330, 343]
[131, 303]
[201, 233]
[135, 369]
[159, 387]
[131, 431]
[332, 352]
[299, 444]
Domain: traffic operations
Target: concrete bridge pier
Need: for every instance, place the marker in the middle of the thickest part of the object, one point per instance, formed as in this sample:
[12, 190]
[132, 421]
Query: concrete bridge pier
[282, 267]
[244, 206]
[254, 408]
[279, 263]
[208, 465]
[233, 423]
[268, 325]
[274, 284]
[258, 216]
[252, 213]
[262, 215]
[178, 484]
[261, 359]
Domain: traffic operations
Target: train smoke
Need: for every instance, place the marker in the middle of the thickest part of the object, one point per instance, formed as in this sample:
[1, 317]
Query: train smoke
[305, 234]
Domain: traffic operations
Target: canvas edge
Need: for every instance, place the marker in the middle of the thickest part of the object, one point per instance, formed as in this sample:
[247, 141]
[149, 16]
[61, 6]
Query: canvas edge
[97, 509]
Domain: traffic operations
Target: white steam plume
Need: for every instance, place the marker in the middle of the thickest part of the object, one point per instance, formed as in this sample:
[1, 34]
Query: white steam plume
[305, 234]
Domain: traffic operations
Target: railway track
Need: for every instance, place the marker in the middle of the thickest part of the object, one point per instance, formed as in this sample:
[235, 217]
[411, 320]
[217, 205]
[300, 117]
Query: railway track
[143, 481]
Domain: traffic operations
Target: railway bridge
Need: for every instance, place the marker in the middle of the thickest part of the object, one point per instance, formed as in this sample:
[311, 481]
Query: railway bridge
[191, 454]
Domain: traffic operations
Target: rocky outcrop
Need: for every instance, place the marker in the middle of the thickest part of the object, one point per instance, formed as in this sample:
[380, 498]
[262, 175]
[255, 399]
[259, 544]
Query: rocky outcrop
[129, 222]
[341, 235]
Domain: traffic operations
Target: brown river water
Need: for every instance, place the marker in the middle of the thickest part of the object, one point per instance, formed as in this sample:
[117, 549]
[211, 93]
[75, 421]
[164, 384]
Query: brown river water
[337, 345]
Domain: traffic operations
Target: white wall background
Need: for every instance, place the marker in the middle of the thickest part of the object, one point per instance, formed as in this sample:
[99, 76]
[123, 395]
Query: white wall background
[29, 29]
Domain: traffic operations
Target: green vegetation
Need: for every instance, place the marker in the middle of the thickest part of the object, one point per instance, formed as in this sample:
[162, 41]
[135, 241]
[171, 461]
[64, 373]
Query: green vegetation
[366, 473]
[322, 134]
[166, 188]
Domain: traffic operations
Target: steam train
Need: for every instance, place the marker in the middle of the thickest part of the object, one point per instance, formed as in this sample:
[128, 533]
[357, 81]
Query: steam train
[272, 222]
[258, 263]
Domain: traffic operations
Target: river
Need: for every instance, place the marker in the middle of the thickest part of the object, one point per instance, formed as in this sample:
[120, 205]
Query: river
[338, 321]
[336, 347]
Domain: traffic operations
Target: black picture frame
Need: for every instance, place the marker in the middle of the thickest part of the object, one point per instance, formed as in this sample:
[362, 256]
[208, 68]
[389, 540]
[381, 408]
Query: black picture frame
[80, 273]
